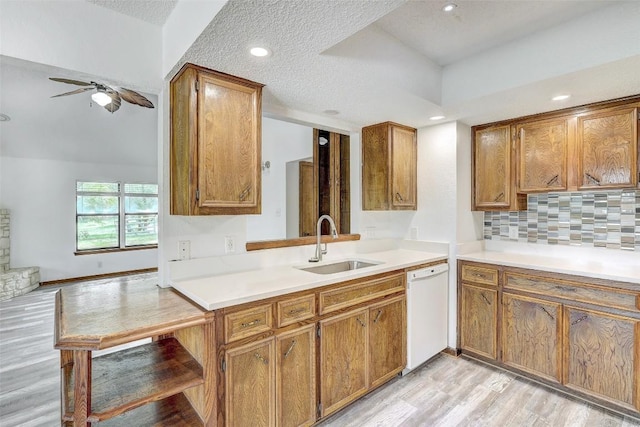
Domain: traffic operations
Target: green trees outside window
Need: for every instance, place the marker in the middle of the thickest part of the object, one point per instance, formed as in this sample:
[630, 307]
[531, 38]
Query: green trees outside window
[112, 215]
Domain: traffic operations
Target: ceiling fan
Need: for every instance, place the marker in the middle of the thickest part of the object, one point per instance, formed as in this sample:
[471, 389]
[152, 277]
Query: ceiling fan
[105, 96]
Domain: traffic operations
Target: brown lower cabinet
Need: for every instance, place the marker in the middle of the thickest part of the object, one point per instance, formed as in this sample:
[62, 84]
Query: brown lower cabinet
[531, 331]
[577, 334]
[291, 360]
[478, 330]
[602, 352]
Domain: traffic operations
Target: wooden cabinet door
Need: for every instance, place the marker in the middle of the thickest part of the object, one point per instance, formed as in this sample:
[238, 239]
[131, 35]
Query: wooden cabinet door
[543, 149]
[229, 148]
[403, 168]
[343, 359]
[250, 384]
[478, 320]
[531, 332]
[296, 377]
[601, 355]
[387, 339]
[608, 147]
[375, 167]
[492, 168]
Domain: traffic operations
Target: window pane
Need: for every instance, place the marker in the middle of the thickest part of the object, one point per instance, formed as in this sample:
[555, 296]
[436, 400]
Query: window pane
[98, 187]
[141, 230]
[141, 188]
[140, 204]
[97, 232]
[97, 204]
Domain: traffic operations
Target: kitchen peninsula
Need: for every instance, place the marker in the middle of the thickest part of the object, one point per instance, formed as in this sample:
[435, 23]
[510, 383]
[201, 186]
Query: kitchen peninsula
[267, 344]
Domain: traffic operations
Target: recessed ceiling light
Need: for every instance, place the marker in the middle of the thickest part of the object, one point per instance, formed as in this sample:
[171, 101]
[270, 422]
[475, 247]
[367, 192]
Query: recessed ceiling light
[449, 7]
[331, 112]
[436, 118]
[560, 97]
[260, 51]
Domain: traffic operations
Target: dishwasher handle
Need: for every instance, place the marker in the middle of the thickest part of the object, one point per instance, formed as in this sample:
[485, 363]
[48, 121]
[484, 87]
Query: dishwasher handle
[424, 273]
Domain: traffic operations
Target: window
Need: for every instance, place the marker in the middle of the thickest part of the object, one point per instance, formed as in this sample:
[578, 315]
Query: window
[111, 215]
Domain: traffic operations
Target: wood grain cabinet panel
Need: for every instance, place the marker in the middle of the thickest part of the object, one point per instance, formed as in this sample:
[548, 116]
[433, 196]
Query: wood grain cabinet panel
[493, 177]
[608, 147]
[531, 335]
[477, 274]
[602, 355]
[295, 309]
[248, 322]
[250, 385]
[343, 359]
[296, 377]
[387, 340]
[543, 147]
[389, 167]
[215, 143]
[478, 320]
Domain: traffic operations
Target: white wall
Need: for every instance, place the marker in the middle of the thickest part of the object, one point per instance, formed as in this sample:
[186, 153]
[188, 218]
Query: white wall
[41, 197]
[282, 142]
[85, 38]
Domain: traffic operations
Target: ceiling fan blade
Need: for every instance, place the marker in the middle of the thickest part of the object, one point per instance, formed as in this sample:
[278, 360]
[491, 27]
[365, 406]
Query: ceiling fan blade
[73, 92]
[114, 105]
[70, 81]
[134, 97]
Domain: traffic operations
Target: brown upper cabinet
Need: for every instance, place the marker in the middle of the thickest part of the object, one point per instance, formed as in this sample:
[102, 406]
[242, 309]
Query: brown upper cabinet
[389, 167]
[582, 148]
[608, 147]
[542, 155]
[493, 169]
[215, 143]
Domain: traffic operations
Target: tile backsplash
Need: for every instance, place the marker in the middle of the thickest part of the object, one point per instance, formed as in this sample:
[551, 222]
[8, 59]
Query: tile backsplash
[609, 219]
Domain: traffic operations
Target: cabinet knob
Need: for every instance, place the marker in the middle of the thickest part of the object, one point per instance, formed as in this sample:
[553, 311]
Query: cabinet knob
[399, 197]
[254, 322]
[260, 358]
[547, 313]
[361, 322]
[377, 316]
[485, 299]
[592, 178]
[552, 180]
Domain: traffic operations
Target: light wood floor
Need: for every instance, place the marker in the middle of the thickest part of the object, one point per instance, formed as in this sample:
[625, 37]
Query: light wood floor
[447, 391]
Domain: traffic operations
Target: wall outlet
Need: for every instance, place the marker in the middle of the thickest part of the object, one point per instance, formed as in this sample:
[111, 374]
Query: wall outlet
[414, 233]
[370, 232]
[513, 232]
[229, 244]
[184, 249]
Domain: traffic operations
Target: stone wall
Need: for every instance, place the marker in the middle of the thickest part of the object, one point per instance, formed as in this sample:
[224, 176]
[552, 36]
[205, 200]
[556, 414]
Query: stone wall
[4, 240]
[17, 281]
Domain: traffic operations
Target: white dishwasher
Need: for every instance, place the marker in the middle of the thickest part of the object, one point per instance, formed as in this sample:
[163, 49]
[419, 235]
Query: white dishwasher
[427, 303]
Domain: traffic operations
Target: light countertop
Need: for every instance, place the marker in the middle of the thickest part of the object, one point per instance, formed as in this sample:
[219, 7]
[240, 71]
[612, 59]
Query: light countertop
[596, 263]
[214, 292]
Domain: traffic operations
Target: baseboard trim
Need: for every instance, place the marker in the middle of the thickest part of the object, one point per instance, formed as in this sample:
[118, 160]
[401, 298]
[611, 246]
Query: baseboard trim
[452, 351]
[99, 276]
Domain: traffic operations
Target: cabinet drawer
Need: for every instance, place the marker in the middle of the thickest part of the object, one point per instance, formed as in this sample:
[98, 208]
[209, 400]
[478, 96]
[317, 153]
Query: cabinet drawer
[295, 309]
[346, 296]
[592, 294]
[476, 274]
[245, 323]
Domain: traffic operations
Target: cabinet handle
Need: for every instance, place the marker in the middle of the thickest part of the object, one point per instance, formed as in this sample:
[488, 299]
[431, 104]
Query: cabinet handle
[399, 197]
[377, 316]
[296, 311]
[245, 193]
[293, 344]
[361, 322]
[485, 299]
[565, 288]
[499, 197]
[260, 358]
[579, 320]
[552, 180]
[252, 323]
[592, 178]
[547, 313]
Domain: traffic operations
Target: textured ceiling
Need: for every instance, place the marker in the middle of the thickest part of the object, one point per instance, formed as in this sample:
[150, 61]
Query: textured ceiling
[152, 11]
[475, 25]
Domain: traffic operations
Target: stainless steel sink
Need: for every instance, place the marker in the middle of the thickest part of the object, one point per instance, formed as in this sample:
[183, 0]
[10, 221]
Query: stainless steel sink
[339, 266]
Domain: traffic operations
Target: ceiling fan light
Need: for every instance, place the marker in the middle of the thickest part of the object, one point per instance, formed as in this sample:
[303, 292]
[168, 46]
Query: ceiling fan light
[101, 98]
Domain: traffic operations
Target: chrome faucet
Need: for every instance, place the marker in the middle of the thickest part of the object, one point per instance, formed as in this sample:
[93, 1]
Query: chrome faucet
[334, 233]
